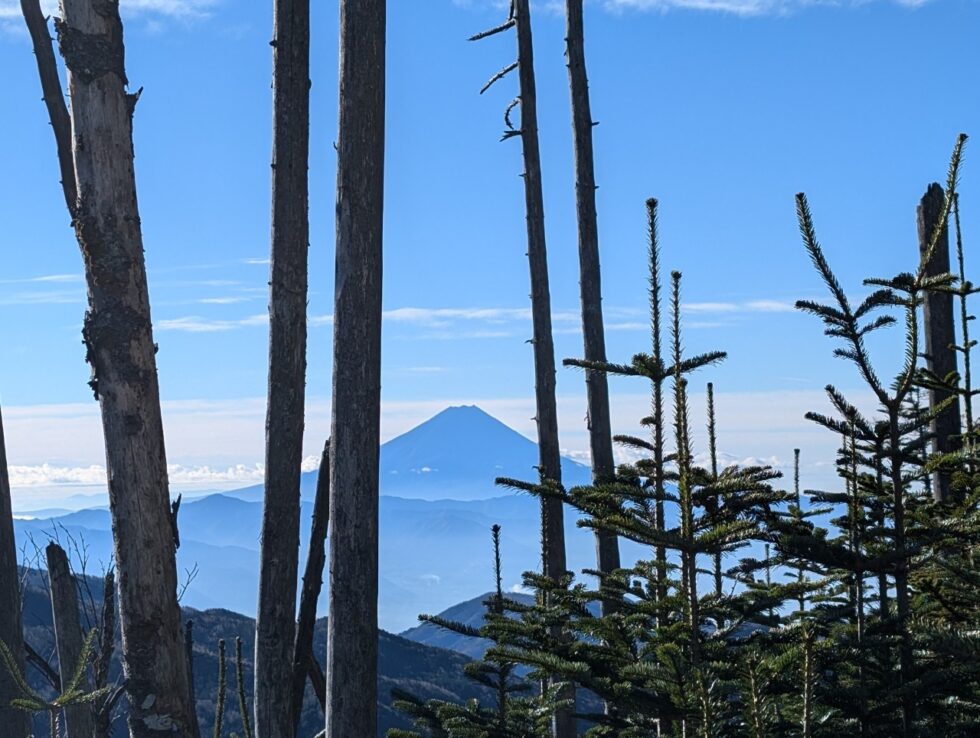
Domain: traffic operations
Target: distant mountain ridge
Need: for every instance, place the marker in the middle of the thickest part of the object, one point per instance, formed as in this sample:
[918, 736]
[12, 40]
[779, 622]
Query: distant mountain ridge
[435, 551]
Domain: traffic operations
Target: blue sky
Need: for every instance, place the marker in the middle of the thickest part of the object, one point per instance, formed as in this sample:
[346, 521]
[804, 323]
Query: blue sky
[723, 109]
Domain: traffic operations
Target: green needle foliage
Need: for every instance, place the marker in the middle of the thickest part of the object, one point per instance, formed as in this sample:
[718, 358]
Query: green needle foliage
[71, 694]
[760, 612]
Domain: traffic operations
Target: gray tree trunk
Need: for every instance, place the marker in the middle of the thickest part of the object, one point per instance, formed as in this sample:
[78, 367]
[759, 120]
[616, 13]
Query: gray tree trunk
[13, 723]
[276, 615]
[120, 348]
[79, 721]
[552, 528]
[940, 334]
[590, 282]
[352, 640]
[312, 584]
[552, 514]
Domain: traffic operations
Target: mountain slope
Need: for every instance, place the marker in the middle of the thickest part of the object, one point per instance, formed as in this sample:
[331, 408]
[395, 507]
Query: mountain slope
[456, 454]
[422, 670]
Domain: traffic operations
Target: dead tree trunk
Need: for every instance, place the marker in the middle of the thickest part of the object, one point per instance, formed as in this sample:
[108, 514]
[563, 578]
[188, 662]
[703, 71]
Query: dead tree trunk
[276, 616]
[13, 723]
[120, 348]
[552, 524]
[312, 584]
[590, 283]
[107, 643]
[940, 335]
[352, 640]
[79, 721]
[549, 451]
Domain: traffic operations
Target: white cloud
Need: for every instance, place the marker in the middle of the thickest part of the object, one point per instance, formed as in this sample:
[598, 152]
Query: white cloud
[196, 324]
[742, 7]
[45, 278]
[728, 308]
[59, 297]
[219, 444]
[184, 9]
[224, 300]
[196, 477]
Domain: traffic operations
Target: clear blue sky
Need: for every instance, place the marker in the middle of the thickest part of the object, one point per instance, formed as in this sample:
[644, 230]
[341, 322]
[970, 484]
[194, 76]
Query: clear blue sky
[723, 109]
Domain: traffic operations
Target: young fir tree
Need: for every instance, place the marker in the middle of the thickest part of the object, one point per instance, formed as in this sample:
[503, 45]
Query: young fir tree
[859, 614]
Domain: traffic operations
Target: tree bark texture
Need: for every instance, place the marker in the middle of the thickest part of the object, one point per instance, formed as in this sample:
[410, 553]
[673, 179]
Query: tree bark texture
[352, 640]
[13, 723]
[940, 334]
[79, 720]
[590, 282]
[276, 612]
[312, 584]
[118, 336]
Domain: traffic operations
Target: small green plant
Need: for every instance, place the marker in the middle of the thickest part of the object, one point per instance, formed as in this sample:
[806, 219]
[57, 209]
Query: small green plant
[71, 694]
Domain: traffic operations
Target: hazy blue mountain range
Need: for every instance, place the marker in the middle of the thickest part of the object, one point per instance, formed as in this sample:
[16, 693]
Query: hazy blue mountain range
[435, 551]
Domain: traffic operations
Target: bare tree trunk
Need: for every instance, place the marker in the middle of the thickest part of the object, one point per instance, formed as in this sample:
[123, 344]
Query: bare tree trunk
[590, 283]
[552, 527]
[352, 640]
[312, 584]
[940, 334]
[120, 348]
[79, 721]
[107, 644]
[13, 723]
[552, 513]
[276, 617]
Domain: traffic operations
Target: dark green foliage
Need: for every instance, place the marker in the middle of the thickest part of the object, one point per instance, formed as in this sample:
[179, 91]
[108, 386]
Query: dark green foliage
[851, 611]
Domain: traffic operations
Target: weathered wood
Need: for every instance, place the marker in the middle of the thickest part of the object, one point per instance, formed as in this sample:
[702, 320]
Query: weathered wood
[312, 585]
[54, 99]
[319, 683]
[107, 642]
[590, 281]
[118, 335]
[13, 723]
[79, 720]
[352, 640]
[276, 613]
[939, 330]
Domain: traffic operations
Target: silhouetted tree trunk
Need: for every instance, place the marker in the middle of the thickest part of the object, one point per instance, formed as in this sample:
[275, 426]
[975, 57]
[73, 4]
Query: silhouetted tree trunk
[352, 641]
[120, 348]
[552, 515]
[552, 527]
[940, 334]
[590, 282]
[13, 723]
[312, 584]
[79, 720]
[276, 616]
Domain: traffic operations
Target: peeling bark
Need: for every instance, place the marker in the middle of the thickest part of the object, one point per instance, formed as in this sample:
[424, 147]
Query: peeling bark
[120, 349]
